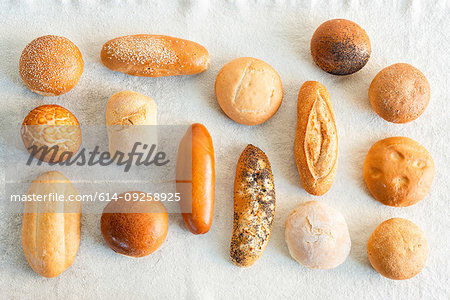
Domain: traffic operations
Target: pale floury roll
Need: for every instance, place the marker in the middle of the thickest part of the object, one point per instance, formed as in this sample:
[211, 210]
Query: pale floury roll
[317, 236]
[129, 120]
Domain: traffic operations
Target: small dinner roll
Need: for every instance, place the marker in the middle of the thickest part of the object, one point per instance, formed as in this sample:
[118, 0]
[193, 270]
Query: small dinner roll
[398, 249]
[317, 236]
[248, 90]
[51, 65]
[399, 93]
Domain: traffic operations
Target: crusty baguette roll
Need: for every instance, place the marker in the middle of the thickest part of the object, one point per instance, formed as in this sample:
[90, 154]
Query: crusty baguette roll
[196, 178]
[51, 230]
[316, 141]
[129, 119]
[154, 56]
[254, 207]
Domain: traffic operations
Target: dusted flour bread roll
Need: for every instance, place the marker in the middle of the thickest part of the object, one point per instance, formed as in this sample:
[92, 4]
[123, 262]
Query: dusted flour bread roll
[154, 56]
[316, 140]
[398, 249]
[51, 65]
[51, 230]
[49, 126]
[248, 90]
[129, 120]
[399, 93]
[317, 236]
[135, 225]
[398, 171]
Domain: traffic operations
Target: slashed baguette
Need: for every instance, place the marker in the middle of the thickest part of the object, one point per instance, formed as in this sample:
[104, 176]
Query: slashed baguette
[51, 230]
[254, 207]
[316, 141]
[154, 56]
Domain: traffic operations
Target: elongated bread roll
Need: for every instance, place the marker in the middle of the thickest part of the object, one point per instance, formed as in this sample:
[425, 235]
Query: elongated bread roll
[316, 141]
[51, 230]
[154, 56]
[254, 207]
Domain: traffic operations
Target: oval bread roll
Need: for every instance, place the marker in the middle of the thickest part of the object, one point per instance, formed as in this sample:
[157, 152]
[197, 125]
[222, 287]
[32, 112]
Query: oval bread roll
[316, 141]
[154, 56]
[254, 207]
[51, 230]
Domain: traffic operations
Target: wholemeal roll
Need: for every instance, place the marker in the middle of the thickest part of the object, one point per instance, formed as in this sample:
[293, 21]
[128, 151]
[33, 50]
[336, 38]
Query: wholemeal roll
[317, 236]
[398, 249]
[248, 90]
[51, 65]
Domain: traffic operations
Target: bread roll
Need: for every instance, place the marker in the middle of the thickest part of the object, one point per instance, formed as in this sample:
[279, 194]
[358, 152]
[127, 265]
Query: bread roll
[51, 65]
[130, 119]
[248, 90]
[49, 126]
[51, 229]
[399, 93]
[398, 249]
[340, 47]
[135, 225]
[154, 56]
[254, 207]
[398, 171]
[317, 236]
[196, 178]
[316, 141]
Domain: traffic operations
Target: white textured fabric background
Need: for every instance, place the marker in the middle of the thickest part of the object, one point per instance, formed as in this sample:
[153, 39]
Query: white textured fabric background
[278, 32]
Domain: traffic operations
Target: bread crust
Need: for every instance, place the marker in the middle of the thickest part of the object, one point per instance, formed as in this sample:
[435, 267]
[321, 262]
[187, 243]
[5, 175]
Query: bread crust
[154, 56]
[254, 207]
[196, 179]
[398, 171]
[51, 230]
[316, 141]
[398, 249]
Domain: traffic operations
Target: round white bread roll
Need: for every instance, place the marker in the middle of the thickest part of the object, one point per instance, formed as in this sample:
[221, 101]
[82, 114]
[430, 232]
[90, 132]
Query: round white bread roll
[248, 90]
[317, 236]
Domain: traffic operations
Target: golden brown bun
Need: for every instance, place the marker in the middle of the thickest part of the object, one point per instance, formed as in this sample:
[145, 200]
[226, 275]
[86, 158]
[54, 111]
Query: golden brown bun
[51, 65]
[248, 90]
[51, 125]
[340, 47]
[399, 93]
[398, 249]
[398, 171]
[51, 230]
[254, 207]
[154, 56]
[316, 141]
[134, 228]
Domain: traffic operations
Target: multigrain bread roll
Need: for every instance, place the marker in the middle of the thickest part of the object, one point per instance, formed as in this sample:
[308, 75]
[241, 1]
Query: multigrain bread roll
[154, 56]
[399, 93]
[316, 141]
[130, 118]
[398, 171]
[317, 236]
[254, 207]
[51, 230]
[51, 65]
[135, 224]
[196, 178]
[398, 249]
[248, 90]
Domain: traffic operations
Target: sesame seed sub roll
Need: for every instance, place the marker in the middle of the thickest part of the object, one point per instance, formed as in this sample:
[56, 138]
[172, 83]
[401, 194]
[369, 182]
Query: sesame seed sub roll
[154, 56]
[254, 207]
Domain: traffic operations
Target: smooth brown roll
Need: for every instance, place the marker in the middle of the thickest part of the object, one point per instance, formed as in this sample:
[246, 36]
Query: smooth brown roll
[134, 225]
[248, 90]
[340, 47]
[51, 65]
[399, 93]
[398, 171]
[398, 249]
